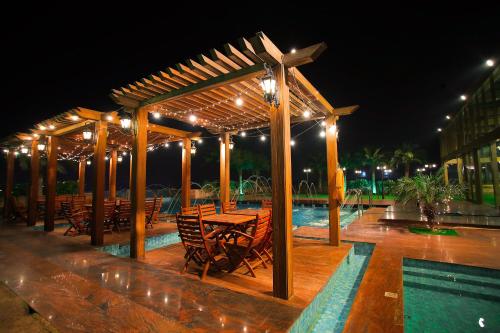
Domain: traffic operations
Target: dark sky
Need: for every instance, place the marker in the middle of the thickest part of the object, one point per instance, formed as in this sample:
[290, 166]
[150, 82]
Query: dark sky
[405, 67]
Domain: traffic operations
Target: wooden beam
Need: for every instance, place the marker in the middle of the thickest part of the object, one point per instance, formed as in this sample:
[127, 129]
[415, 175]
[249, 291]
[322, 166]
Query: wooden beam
[112, 174]
[99, 163]
[309, 87]
[81, 176]
[332, 165]
[209, 84]
[168, 131]
[281, 174]
[225, 182]
[346, 110]
[50, 195]
[186, 173]
[304, 56]
[119, 98]
[138, 183]
[34, 182]
[9, 184]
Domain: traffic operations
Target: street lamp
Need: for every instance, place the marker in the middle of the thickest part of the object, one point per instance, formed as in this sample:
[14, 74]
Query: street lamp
[268, 84]
[307, 172]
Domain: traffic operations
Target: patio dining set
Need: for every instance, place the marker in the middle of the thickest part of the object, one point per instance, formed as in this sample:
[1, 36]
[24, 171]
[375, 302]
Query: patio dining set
[226, 241]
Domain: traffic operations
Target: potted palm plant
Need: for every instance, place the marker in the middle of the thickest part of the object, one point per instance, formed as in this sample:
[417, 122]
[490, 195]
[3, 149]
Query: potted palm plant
[429, 191]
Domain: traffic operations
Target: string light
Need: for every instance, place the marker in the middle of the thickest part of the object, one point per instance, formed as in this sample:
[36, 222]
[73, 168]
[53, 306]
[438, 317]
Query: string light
[262, 138]
[307, 114]
[239, 101]
[439, 129]
[243, 134]
[448, 117]
[166, 145]
[74, 117]
[109, 117]
[42, 128]
[200, 140]
[156, 115]
[119, 159]
[106, 158]
[124, 153]
[292, 51]
[89, 162]
[490, 63]
[463, 97]
[322, 134]
[51, 127]
[16, 153]
[180, 143]
[6, 151]
[292, 143]
[333, 129]
[323, 123]
[192, 118]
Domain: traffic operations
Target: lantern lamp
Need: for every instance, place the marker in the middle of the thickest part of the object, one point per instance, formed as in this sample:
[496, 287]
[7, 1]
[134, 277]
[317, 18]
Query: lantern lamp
[125, 120]
[193, 148]
[268, 84]
[87, 135]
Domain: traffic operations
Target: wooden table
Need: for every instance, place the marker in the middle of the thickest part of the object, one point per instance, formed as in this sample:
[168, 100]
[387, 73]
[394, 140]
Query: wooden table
[249, 212]
[229, 220]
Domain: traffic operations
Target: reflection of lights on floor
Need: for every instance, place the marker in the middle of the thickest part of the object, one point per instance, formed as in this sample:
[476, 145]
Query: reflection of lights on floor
[481, 322]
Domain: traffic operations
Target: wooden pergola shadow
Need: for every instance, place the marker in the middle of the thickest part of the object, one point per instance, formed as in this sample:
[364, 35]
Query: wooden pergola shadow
[219, 91]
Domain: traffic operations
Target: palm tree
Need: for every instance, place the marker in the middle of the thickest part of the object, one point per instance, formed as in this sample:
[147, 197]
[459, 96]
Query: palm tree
[373, 157]
[405, 156]
[242, 160]
[349, 162]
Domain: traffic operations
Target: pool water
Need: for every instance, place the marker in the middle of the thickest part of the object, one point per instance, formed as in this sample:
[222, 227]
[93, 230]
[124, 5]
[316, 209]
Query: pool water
[330, 308]
[441, 297]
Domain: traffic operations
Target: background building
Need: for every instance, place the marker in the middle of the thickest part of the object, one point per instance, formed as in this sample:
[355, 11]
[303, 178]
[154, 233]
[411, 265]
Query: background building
[470, 144]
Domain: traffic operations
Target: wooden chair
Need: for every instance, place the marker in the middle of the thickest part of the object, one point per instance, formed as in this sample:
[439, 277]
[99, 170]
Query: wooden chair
[266, 204]
[78, 220]
[123, 214]
[228, 206]
[206, 210]
[78, 202]
[246, 245]
[19, 210]
[192, 210]
[149, 208]
[156, 211]
[201, 247]
[109, 215]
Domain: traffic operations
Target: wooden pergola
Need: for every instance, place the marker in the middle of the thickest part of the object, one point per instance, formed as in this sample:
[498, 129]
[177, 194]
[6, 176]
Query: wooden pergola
[221, 92]
[62, 137]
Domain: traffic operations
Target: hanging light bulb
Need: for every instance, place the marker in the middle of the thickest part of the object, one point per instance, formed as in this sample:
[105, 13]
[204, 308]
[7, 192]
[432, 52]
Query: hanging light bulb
[307, 114]
[106, 158]
[89, 162]
[193, 148]
[119, 159]
[192, 118]
[333, 129]
[125, 120]
[231, 143]
[41, 147]
[124, 153]
[463, 97]
[239, 101]
[262, 138]
[243, 134]
[87, 135]
[166, 145]
[24, 150]
[74, 117]
[180, 143]
[6, 151]
[200, 140]
[16, 153]
[109, 117]
[322, 134]
[323, 123]
[268, 84]
[292, 143]
[156, 115]
[52, 127]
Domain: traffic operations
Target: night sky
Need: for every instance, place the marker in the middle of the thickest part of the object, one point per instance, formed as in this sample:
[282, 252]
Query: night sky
[405, 67]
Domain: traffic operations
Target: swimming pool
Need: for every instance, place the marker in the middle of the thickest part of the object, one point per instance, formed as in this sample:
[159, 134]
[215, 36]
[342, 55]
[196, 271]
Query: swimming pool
[441, 297]
[330, 308]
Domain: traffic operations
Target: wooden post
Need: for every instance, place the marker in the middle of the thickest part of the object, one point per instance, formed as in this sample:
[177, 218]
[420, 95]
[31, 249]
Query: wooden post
[100, 136]
[225, 182]
[495, 173]
[332, 165]
[281, 173]
[186, 173]
[130, 177]
[460, 170]
[9, 184]
[445, 173]
[34, 178]
[50, 195]
[477, 176]
[112, 174]
[138, 183]
[81, 176]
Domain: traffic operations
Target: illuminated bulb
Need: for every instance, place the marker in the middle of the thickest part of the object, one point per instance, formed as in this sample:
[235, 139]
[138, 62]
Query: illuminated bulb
[323, 123]
[243, 134]
[192, 118]
[124, 153]
[156, 115]
[36, 135]
[43, 128]
[322, 134]
[333, 129]
[89, 162]
[180, 143]
[292, 51]
[490, 63]
[106, 158]
[307, 114]
[16, 153]
[51, 127]
[200, 140]
[262, 138]
[24, 150]
[439, 129]
[463, 97]
[150, 148]
[239, 101]
[448, 117]
[87, 135]
[6, 151]
[292, 143]
[119, 158]
[109, 117]
[166, 145]
[74, 118]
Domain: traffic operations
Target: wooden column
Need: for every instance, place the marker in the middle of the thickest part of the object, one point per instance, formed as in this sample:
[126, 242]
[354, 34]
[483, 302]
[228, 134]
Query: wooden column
[477, 176]
[138, 182]
[34, 179]
[81, 176]
[460, 170]
[332, 165]
[445, 173]
[9, 184]
[186, 173]
[225, 182]
[130, 177]
[281, 174]
[495, 174]
[50, 195]
[112, 174]
[99, 163]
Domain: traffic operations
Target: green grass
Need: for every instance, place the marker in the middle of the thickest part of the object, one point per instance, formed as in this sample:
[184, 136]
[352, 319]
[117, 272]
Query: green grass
[439, 232]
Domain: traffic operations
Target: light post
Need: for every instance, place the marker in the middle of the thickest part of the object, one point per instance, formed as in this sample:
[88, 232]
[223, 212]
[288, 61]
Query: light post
[382, 168]
[307, 172]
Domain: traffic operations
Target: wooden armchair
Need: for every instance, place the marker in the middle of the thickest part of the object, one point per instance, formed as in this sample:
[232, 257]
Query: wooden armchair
[123, 214]
[78, 220]
[206, 210]
[247, 245]
[266, 204]
[192, 210]
[201, 247]
[228, 206]
[19, 209]
[109, 216]
[149, 208]
[78, 202]
[156, 211]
